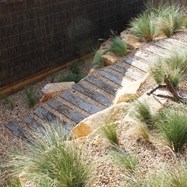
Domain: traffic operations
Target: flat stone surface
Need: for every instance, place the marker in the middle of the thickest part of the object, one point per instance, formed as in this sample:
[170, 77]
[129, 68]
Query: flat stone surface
[70, 113]
[103, 85]
[145, 56]
[15, 128]
[137, 63]
[176, 42]
[32, 123]
[83, 104]
[94, 95]
[45, 115]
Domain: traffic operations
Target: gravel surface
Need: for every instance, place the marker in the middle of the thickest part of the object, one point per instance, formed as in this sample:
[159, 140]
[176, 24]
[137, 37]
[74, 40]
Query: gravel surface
[151, 156]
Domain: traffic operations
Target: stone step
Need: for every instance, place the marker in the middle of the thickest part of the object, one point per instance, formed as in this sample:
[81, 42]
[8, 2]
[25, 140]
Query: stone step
[45, 115]
[17, 130]
[70, 113]
[83, 104]
[96, 96]
[137, 63]
[102, 85]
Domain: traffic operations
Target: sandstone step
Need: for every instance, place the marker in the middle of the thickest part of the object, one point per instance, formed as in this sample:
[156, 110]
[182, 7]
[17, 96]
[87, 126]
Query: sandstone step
[45, 115]
[83, 104]
[101, 84]
[70, 113]
[17, 130]
[93, 95]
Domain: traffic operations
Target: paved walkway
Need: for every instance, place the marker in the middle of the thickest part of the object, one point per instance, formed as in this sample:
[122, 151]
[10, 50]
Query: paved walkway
[95, 92]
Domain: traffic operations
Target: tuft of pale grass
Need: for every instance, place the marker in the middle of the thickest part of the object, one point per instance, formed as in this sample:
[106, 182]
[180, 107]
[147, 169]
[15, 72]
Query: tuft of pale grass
[118, 46]
[143, 26]
[173, 66]
[98, 61]
[51, 160]
[109, 131]
[124, 159]
[173, 128]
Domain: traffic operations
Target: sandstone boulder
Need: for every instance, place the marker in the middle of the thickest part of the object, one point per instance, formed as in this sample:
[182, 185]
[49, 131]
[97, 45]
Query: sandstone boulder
[53, 89]
[132, 41]
[110, 58]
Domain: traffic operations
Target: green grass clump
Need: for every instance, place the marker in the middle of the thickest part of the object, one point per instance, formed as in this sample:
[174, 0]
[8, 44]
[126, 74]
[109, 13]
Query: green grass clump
[98, 61]
[173, 66]
[70, 77]
[32, 97]
[51, 160]
[173, 128]
[118, 47]
[144, 114]
[184, 21]
[143, 26]
[109, 131]
[125, 159]
[156, 20]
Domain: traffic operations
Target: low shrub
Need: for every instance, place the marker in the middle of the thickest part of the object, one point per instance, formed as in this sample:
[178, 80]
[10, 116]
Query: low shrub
[51, 160]
[98, 61]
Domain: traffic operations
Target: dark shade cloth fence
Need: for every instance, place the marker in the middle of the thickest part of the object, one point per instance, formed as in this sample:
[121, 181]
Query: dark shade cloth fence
[39, 34]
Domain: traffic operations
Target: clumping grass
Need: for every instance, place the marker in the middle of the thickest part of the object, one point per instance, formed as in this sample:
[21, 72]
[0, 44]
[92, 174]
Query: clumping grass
[125, 159]
[32, 97]
[98, 61]
[51, 160]
[118, 47]
[143, 26]
[144, 114]
[173, 128]
[184, 21]
[157, 20]
[173, 66]
[109, 131]
[74, 68]
[70, 77]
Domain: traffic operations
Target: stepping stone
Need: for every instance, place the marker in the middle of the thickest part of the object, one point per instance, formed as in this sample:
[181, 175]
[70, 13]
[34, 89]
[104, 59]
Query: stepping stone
[83, 104]
[15, 128]
[137, 63]
[45, 115]
[103, 85]
[32, 123]
[177, 42]
[94, 95]
[70, 113]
